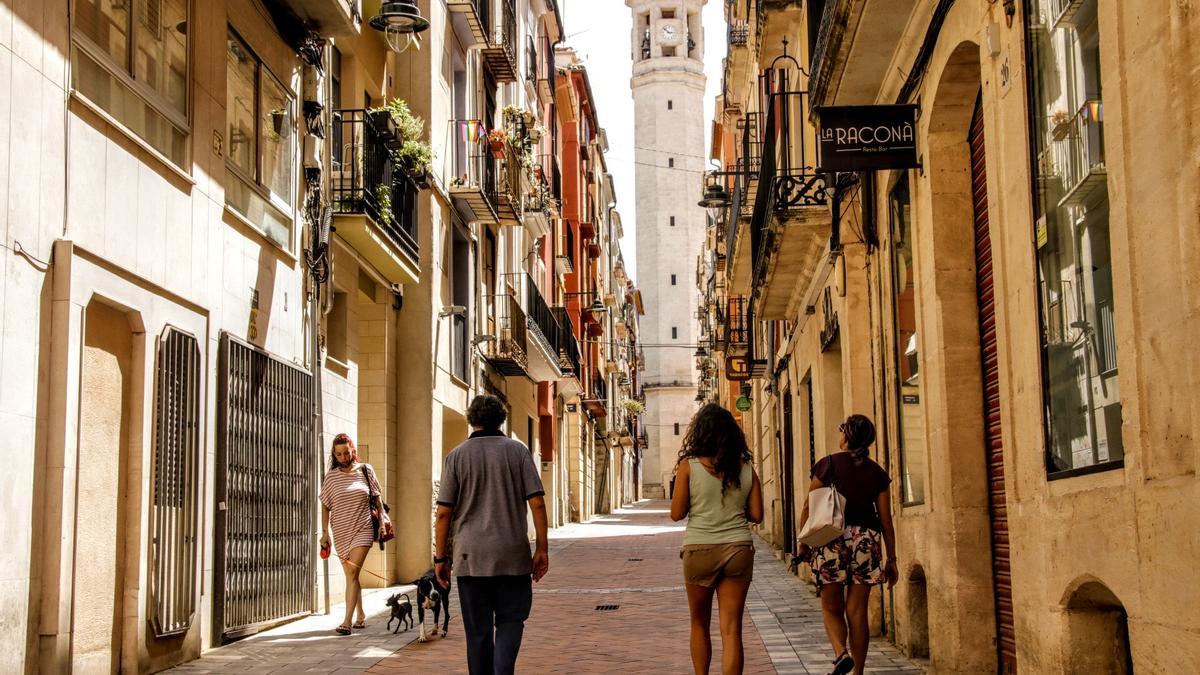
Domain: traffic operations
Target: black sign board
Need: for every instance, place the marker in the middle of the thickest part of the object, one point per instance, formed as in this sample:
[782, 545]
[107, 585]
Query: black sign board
[867, 137]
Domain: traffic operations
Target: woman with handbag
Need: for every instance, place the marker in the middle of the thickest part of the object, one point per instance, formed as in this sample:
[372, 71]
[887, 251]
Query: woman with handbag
[847, 567]
[347, 494]
[719, 493]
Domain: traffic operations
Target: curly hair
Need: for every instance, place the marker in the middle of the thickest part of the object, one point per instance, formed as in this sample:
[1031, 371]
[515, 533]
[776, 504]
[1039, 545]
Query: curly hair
[342, 439]
[487, 412]
[714, 432]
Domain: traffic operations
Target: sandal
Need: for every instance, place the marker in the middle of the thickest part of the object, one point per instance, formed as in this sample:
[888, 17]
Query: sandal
[360, 624]
[342, 630]
[844, 664]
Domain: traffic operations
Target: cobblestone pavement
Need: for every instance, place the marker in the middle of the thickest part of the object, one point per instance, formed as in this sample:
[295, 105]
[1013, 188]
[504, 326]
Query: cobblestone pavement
[629, 559]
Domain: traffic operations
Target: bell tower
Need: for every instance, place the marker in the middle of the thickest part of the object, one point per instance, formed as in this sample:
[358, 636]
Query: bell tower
[668, 81]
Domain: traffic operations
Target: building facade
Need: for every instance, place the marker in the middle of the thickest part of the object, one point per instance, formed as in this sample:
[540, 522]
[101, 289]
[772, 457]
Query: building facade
[235, 229]
[667, 45]
[993, 310]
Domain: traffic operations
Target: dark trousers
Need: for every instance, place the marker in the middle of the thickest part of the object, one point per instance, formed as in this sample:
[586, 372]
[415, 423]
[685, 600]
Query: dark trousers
[493, 611]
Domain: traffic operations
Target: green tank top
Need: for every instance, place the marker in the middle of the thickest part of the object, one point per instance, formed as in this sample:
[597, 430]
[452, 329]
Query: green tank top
[714, 518]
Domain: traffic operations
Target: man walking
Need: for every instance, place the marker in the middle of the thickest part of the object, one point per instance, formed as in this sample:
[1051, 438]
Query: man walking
[486, 483]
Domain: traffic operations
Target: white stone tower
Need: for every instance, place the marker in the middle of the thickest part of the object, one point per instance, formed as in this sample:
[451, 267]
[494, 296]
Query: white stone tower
[668, 94]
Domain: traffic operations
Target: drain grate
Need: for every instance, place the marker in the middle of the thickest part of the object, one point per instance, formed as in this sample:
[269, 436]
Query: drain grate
[633, 560]
[606, 608]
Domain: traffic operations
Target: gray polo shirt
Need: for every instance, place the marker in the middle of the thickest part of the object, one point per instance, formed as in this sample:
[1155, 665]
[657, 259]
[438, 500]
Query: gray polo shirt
[488, 481]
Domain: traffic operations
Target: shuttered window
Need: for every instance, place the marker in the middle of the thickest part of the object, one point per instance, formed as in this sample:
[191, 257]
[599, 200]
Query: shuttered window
[176, 480]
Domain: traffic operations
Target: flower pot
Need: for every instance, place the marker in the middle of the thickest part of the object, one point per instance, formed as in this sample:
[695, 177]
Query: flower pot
[382, 123]
[497, 149]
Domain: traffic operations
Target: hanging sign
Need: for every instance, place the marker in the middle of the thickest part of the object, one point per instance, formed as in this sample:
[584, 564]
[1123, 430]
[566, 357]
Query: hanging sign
[737, 368]
[743, 403]
[867, 137]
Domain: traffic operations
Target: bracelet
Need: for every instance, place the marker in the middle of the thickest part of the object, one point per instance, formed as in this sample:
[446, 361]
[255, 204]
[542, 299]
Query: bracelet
[439, 561]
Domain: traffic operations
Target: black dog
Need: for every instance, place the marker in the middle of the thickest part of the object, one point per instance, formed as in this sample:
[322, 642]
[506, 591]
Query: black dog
[431, 595]
[401, 612]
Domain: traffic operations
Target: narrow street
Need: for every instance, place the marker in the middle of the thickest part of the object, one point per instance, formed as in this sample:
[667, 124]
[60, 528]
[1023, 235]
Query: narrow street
[629, 560]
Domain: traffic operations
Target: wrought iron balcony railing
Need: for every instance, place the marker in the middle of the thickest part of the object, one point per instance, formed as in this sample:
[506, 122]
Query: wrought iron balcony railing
[1082, 155]
[476, 171]
[366, 179]
[568, 346]
[509, 352]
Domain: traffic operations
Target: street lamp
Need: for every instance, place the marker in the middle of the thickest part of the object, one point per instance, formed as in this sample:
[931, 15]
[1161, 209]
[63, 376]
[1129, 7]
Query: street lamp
[399, 21]
[716, 198]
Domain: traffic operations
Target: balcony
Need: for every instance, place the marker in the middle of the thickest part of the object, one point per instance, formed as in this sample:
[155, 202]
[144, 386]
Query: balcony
[508, 354]
[733, 324]
[474, 186]
[743, 185]
[857, 40]
[596, 399]
[546, 72]
[513, 174]
[374, 199]
[328, 18]
[544, 334]
[1084, 170]
[492, 25]
[568, 354]
[791, 222]
[541, 204]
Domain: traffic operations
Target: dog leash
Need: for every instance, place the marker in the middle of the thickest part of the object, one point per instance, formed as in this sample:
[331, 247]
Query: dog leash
[361, 568]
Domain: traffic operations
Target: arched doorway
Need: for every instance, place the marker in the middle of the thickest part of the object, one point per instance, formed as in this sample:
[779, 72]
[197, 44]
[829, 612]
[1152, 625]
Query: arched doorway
[1097, 631]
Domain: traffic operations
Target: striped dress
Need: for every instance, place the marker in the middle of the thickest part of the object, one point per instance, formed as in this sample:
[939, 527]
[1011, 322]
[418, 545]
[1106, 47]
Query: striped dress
[347, 496]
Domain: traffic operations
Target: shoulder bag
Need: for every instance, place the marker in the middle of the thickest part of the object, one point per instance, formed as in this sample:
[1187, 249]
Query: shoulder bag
[826, 513]
[380, 521]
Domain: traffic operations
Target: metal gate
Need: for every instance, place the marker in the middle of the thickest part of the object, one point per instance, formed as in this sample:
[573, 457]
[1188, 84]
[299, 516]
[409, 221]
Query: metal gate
[1006, 644]
[266, 492]
[174, 513]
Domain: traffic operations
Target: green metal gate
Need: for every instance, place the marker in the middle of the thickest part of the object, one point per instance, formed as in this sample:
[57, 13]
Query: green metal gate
[266, 491]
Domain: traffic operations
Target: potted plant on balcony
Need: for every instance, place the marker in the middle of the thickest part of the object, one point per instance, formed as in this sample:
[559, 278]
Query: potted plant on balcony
[383, 200]
[382, 123]
[633, 407]
[497, 139]
[410, 151]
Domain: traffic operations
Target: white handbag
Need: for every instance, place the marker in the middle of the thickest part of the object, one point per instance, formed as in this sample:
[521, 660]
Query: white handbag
[826, 517]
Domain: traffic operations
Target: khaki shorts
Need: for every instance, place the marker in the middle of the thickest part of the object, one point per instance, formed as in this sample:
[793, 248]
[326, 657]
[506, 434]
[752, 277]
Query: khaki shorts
[707, 564]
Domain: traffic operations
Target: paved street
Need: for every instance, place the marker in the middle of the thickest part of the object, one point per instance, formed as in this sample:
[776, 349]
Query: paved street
[629, 559]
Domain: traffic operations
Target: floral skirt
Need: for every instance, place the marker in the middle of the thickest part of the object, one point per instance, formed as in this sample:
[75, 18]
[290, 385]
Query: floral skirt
[856, 557]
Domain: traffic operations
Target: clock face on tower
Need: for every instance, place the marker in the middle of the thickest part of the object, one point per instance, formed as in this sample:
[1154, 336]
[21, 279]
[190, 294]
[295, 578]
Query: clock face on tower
[669, 33]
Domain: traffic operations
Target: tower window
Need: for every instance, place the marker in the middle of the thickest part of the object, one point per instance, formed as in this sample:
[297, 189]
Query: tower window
[672, 221]
[677, 428]
[672, 279]
[674, 332]
[668, 51]
[670, 105]
[670, 162]
[668, 14]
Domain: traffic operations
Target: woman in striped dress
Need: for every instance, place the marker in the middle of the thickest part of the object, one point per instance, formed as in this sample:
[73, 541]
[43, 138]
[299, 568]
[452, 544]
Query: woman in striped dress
[345, 496]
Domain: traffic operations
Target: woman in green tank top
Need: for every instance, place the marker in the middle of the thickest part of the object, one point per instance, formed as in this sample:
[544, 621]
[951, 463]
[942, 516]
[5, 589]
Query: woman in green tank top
[719, 493]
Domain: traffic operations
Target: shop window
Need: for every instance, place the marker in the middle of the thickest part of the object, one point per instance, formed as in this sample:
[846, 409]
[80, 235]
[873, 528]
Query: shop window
[1082, 396]
[910, 420]
[261, 142]
[131, 59]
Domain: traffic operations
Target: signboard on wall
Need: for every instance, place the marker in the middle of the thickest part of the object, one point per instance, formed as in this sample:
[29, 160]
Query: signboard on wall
[737, 368]
[867, 137]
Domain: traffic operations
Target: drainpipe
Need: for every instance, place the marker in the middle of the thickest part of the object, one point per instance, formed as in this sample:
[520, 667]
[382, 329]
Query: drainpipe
[317, 218]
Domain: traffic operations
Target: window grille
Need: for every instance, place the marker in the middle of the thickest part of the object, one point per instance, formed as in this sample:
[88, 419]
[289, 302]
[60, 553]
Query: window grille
[176, 477]
[266, 472]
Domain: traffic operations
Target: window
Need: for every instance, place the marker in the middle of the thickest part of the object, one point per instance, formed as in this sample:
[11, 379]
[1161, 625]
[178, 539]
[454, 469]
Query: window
[177, 451]
[674, 332]
[672, 279]
[261, 141]
[460, 294]
[672, 221]
[668, 14]
[677, 428]
[670, 105]
[670, 162]
[335, 332]
[669, 51]
[131, 59]
[907, 369]
[1074, 262]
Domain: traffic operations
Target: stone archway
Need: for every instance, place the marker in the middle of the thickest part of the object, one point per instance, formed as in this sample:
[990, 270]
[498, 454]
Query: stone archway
[960, 583]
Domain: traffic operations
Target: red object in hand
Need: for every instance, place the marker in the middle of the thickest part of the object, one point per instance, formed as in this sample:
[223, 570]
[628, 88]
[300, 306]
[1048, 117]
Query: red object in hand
[325, 551]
